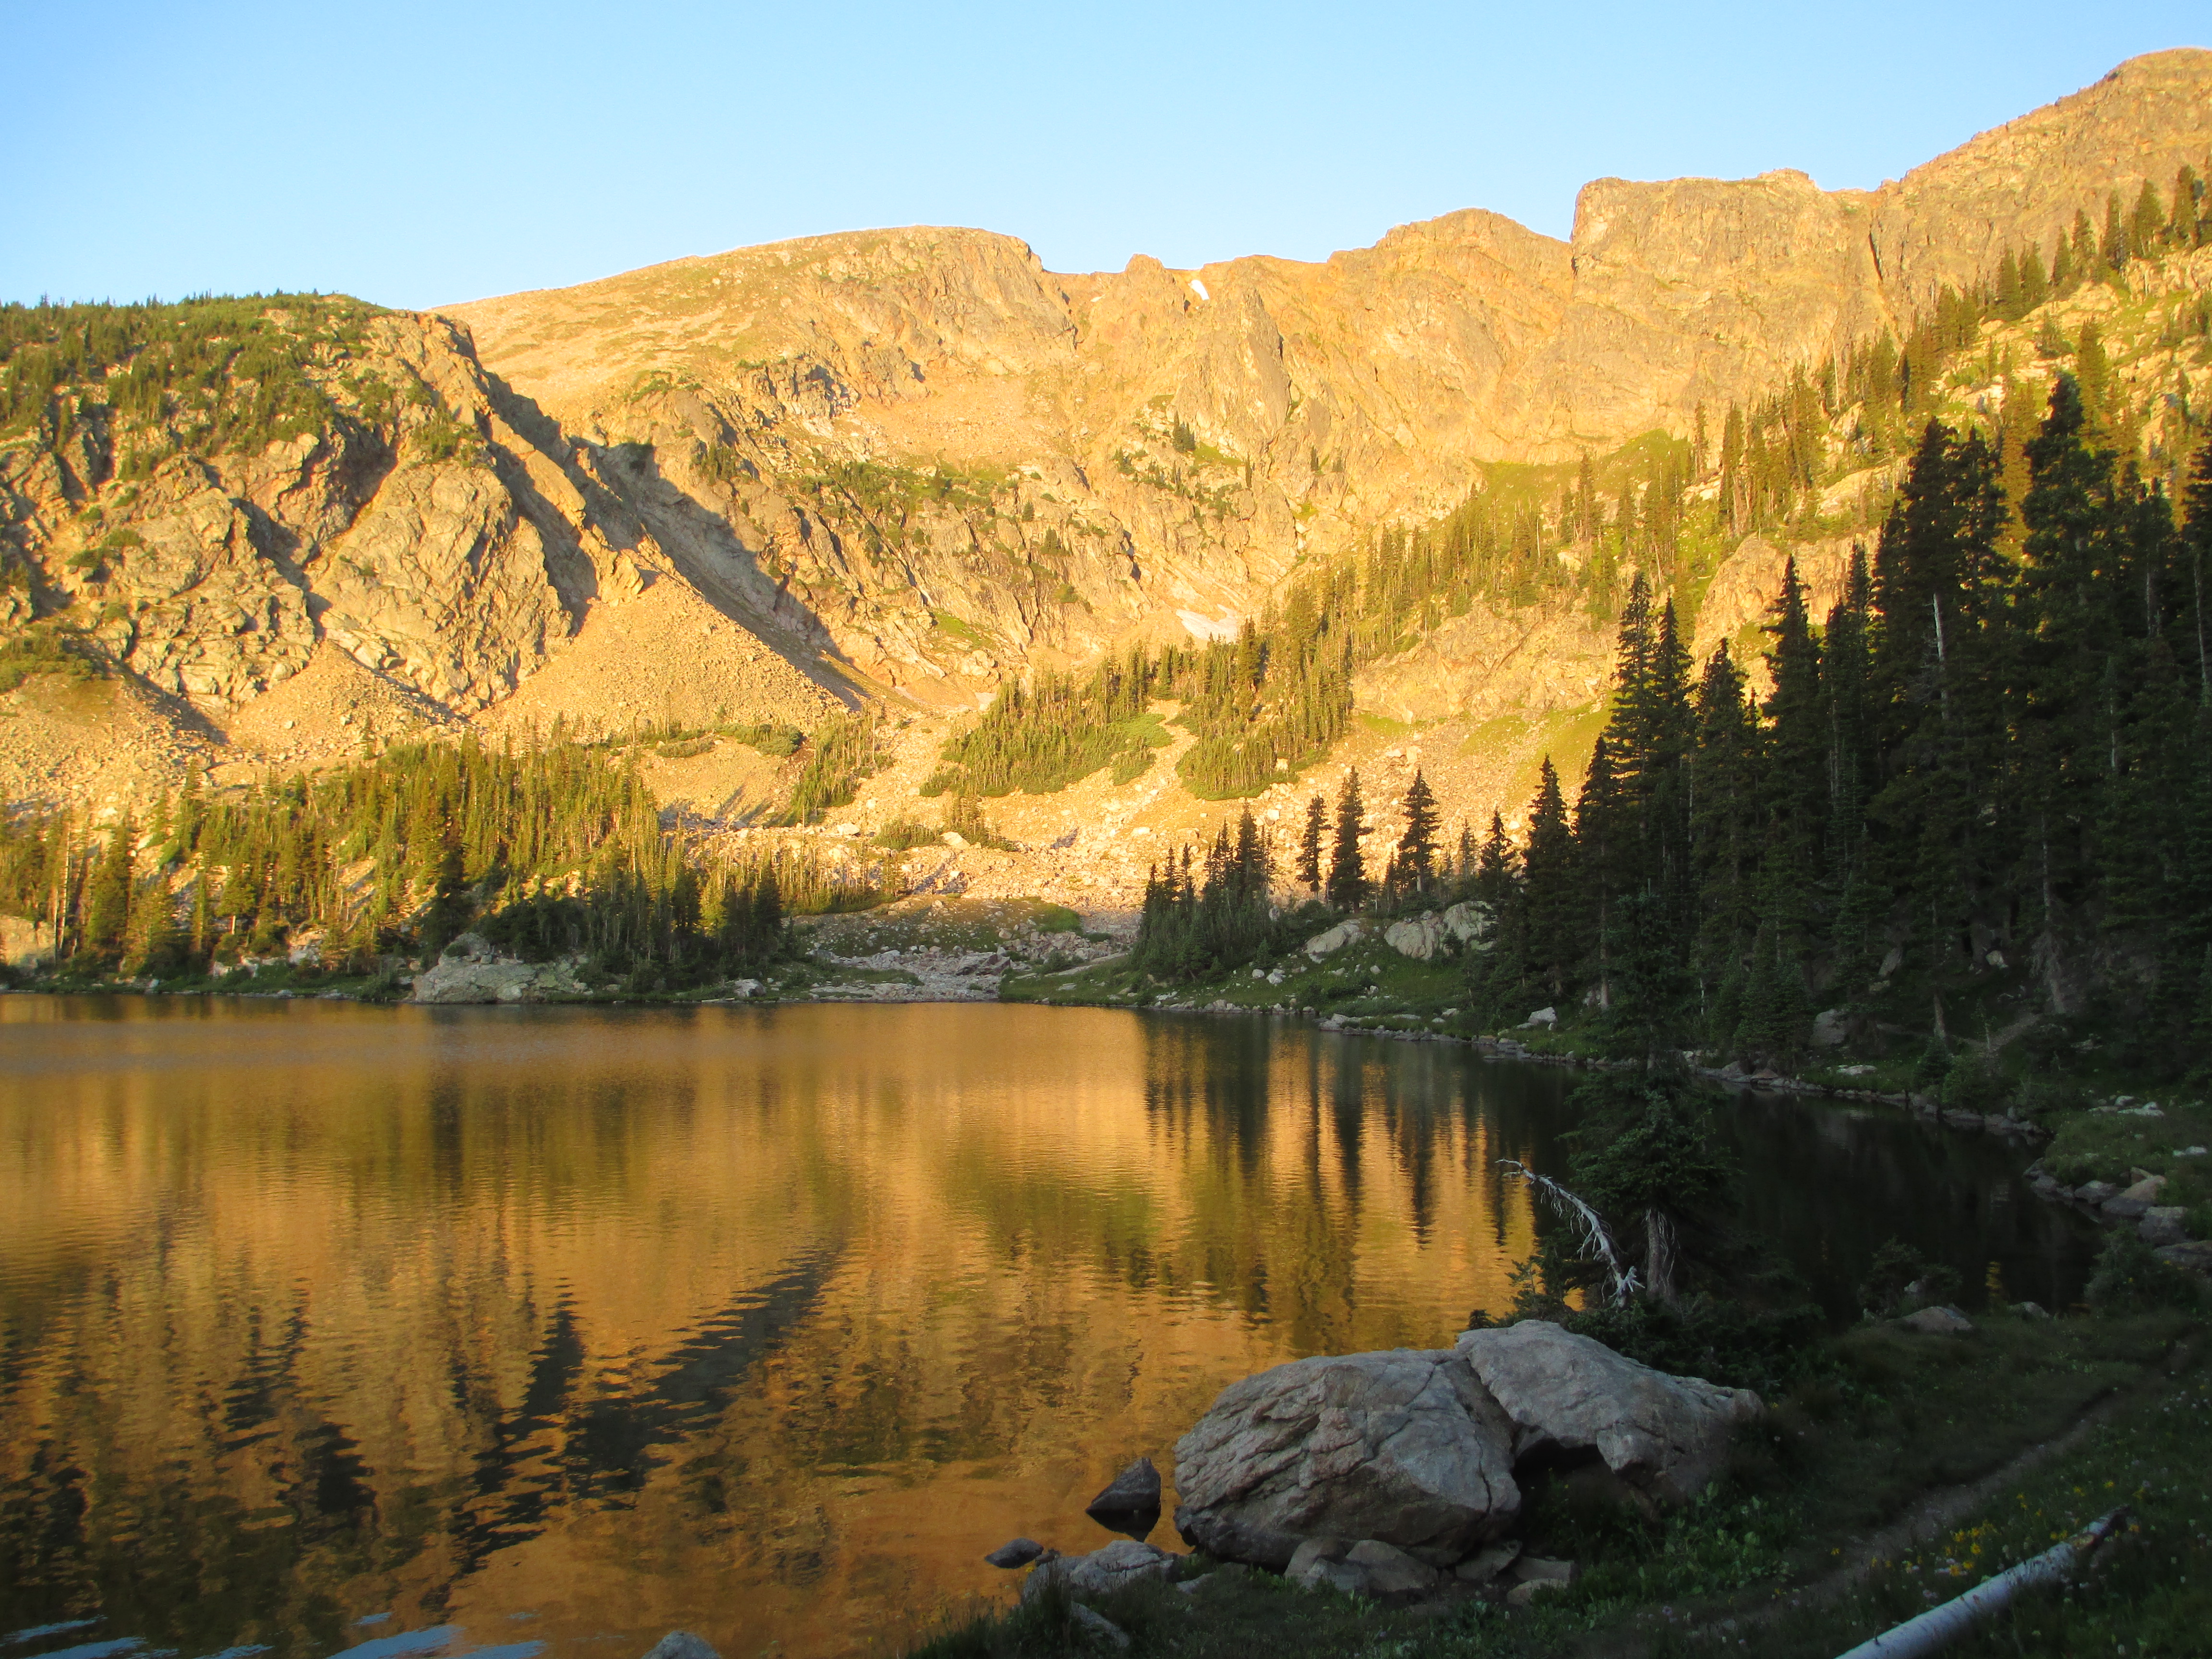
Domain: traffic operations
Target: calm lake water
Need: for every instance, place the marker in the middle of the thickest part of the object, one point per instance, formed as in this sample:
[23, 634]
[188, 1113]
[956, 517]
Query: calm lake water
[322, 1325]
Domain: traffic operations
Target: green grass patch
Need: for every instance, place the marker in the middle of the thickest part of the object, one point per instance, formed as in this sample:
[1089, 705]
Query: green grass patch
[48, 650]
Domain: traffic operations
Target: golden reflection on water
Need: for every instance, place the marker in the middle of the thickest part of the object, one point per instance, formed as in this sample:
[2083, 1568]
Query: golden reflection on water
[763, 1324]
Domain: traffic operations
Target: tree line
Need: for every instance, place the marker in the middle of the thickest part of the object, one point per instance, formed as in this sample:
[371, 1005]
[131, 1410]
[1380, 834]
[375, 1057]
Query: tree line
[1982, 761]
[552, 850]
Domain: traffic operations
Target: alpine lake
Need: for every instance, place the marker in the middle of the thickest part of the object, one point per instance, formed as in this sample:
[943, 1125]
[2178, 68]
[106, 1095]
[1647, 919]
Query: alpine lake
[328, 1329]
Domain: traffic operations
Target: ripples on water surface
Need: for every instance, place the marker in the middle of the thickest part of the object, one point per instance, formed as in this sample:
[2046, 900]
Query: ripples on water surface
[504, 1327]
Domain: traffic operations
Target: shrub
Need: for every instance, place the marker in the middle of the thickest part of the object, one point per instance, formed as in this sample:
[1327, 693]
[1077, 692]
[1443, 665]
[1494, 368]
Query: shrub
[1901, 1275]
[1974, 1084]
[2131, 1279]
[1932, 1067]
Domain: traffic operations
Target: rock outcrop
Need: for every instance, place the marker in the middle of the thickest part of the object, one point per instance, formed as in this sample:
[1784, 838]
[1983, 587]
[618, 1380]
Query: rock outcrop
[1404, 1447]
[1413, 1452]
[1317, 398]
[1565, 1393]
[1328, 944]
[470, 970]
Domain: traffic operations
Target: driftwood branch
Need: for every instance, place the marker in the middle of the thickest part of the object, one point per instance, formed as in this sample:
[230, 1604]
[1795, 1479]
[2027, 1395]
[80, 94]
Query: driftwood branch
[1595, 1240]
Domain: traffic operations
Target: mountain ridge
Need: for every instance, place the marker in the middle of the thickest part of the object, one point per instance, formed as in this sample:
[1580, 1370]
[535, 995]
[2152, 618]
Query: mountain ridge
[913, 466]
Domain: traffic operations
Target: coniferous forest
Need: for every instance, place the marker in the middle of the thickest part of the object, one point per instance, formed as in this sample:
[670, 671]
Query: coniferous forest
[1979, 763]
[554, 850]
[1974, 762]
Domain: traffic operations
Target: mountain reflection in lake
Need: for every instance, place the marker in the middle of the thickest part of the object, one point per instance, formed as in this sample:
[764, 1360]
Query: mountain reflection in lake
[763, 1324]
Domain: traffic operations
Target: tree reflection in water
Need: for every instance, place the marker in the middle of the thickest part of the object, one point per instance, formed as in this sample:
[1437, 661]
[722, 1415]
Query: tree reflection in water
[762, 1322]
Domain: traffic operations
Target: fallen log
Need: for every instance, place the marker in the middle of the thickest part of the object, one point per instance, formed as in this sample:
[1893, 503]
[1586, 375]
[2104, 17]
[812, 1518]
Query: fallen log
[1939, 1626]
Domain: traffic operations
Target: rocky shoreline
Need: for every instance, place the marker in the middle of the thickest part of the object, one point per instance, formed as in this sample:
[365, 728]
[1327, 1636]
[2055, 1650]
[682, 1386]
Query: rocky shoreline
[1398, 1476]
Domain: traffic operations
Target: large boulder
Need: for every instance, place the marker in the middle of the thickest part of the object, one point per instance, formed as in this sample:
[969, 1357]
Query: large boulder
[1667, 1436]
[1403, 1447]
[472, 970]
[1329, 943]
[2137, 1200]
[1470, 924]
[2163, 1223]
[1419, 937]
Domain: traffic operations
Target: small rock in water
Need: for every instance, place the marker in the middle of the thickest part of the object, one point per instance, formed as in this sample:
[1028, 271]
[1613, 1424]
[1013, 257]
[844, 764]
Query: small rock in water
[1132, 1503]
[682, 1645]
[1015, 1553]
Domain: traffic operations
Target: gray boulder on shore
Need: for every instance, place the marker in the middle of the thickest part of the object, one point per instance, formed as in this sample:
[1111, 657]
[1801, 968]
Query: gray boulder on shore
[1666, 1434]
[1415, 1449]
[472, 970]
[1125, 1561]
[1402, 1447]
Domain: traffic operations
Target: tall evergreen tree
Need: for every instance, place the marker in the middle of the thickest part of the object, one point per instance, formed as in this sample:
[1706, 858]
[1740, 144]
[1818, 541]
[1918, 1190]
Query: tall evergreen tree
[1795, 783]
[1553, 907]
[108, 894]
[1308, 868]
[1348, 884]
[1416, 847]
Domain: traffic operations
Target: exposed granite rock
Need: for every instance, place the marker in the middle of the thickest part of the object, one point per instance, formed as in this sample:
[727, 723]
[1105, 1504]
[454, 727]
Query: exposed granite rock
[470, 970]
[1667, 1434]
[1123, 1562]
[1419, 937]
[1403, 1447]
[1937, 1322]
[1335, 938]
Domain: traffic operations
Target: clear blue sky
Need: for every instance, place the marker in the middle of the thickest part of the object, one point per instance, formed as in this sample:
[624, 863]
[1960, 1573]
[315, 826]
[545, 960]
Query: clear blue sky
[416, 155]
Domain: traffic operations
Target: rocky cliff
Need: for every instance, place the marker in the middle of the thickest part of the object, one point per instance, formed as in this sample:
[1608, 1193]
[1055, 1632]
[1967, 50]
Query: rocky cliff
[915, 462]
[958, 463]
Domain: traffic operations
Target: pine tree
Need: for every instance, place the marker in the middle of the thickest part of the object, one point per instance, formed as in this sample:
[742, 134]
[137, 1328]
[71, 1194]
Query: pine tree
[1794, 786]
[1348, 885]
[1554, 906]
[107, 895]
[2066, 641]
[2146, 223]
[1416, 856]
[1308, 869]
[450, 908]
